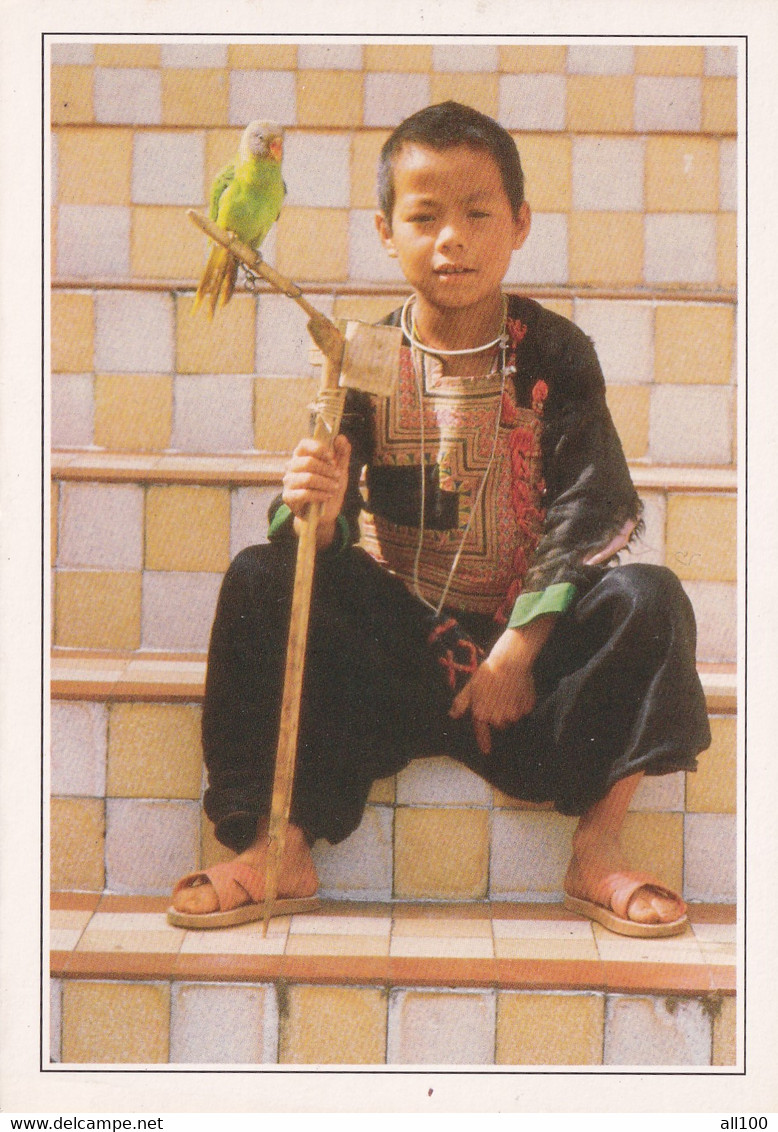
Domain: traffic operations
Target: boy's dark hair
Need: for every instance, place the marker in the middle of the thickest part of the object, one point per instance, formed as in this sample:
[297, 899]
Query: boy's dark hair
[443, 126]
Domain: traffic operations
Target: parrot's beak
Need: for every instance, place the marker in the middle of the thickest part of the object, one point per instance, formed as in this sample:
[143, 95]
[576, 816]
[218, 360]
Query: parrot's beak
[276, 148]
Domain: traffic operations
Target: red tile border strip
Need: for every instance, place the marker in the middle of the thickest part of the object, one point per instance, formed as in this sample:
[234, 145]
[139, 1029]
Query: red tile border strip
[75, 901]
[111, 902]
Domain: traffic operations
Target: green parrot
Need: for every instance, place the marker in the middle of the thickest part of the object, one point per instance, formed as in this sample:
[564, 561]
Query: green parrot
[246, 198]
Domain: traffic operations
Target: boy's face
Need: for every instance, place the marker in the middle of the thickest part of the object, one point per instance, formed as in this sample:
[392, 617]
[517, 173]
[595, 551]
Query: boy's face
[452, 228]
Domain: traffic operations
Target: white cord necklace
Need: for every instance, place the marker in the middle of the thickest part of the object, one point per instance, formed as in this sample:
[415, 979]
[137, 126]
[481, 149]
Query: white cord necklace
[410, 333]
[418, 369]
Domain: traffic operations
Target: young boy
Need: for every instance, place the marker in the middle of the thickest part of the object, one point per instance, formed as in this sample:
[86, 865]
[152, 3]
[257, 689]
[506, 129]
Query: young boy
[479, 618]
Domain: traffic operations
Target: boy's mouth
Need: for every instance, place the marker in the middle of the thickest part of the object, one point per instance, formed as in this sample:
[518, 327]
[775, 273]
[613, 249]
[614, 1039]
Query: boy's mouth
[452, 269]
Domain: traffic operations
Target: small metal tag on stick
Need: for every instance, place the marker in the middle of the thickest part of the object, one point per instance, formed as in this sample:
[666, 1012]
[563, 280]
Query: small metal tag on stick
[371, 358]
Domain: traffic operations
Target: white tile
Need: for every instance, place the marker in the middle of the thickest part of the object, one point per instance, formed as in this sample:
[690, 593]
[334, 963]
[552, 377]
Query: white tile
[710, 857]
[341, 925]
[233, 941]
[389, 97]
[691, 425]
[664, 792]
[178, 610]
[317, 169]
[133, 922]
[133, 332]
[128, 95]
[74, 53]
[663, 103]
[721, 61]
[329, 57]
[359, 868]
[461, 57]
[283, 341]
[367, 257]
[213, 413]
[543, 929]
[680, 248]
[72, 410]
[656, 1031]
[532, 102]
[543, 258]
[591, 59]
[213, 1023]
[93, 240]
[441, 781]
[149, 845]
[440, 947]
[79, 742]
[623, 336]
[715, 933]
[715, 609]
[269, 95]
[441, 1028]
[728, 175]
[608, 174]
[530, 853]
[101, 525]
[167, 168]
[193, 55]
[248, 516]
[55, 1020]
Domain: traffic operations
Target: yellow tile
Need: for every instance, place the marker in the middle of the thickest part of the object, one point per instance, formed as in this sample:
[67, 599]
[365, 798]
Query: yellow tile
[653, 843]
[712, 788]
[399, 57]
[547, 163]
[154, 751]
[694, 343]
[211, 850]
[560, 306]
[477, 90]
[606, 247]
[600, 103]
[187, 528]
[366, 308]
[220, 148]
[115, 1023]
[329, 98]
[224, 344]
[94, 166]
[127, 54]
[164, 244]
[724, 1033]
[196, 97]
[282, 415]
[532, 60]
[71, 94]
[550, 1029]
[53, 520]
[77, 840]
[682, 174]
[441, 853]
[382, 792]
[669, 60]
[97, 609]
[506, 802]
[262, 56]
[133, 412]
[726, 249]
[701, 538]
[333, 1026]
[72, 332]
[312, 244]
[719, 105]
[365, 150]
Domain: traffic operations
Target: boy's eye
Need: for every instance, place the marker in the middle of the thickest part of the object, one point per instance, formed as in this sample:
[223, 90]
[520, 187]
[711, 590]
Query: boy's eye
[422, 218]
[476, 214]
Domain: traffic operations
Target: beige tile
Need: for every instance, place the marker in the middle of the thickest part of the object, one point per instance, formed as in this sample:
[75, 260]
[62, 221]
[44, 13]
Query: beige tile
[719, 105]
[606, 247]
[442, 927]
[333, 1026]
[726, 249]
[97, 609]
[196, 97]
[694, 343]
[319, 923]
[71, 94]
[702, 537]
[653, 843]
[127, 54]
[682, 174]
[164, 244]
[549, 1029]
[222, 345]
[221, 147]
[725, 1033]
[72, 332]
[441, 947]
[441, 1028]
[546, 160]
[211, 850]
[629, 406]
[281, 412]
[313, 244]
[154, 751]
[712, 788]
[155, 943]
[115, 1023]
[329, 98]
[382, 791]
[365, 149]
[187, 528]
[77, 838]
[262, 56]
[235, 941]
[337, 945]
[441, 853]
[529, 60]
[683, 949]
[478, 91]
[545, 949]
[133, 412]
[656, 1031]
[397, 57]
[94, 166]
[600, 103]
[665, 60]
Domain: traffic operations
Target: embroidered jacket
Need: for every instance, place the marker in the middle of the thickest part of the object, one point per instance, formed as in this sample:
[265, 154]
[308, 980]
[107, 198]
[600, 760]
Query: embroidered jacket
[558, 464]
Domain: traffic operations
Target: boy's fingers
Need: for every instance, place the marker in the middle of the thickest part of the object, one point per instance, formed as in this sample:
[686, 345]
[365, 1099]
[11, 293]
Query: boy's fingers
[483, 736]
[461, 703]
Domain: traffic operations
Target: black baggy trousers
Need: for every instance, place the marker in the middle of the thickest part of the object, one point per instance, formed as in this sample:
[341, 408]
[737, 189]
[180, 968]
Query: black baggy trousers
[616, 683]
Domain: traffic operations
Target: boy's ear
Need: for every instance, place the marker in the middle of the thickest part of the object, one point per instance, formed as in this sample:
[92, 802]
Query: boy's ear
[385, 233]
[521, 225]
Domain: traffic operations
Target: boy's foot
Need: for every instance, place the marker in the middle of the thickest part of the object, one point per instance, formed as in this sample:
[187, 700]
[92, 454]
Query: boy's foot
[297, 877]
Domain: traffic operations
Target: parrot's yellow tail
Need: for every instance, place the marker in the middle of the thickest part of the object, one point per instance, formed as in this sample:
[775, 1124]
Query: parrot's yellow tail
[218, 280]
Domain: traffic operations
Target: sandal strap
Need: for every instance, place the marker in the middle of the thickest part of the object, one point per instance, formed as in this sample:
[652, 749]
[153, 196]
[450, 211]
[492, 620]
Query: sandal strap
[232, 881]
[617, 890]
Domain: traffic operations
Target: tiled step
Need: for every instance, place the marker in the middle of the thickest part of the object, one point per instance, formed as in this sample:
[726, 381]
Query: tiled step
[126, 771]
[495, 984]
[140, 543]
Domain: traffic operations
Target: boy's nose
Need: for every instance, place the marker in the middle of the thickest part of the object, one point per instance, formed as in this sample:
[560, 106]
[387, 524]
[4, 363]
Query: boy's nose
[450, 236]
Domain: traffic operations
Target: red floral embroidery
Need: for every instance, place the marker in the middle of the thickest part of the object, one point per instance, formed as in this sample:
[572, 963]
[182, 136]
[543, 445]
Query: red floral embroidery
[539, 394]
[516, 329]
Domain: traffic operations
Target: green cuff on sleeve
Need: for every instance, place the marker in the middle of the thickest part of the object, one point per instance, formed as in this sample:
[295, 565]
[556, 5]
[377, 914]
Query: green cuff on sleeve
[555, 599]
[282, 516]
[342, 533]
